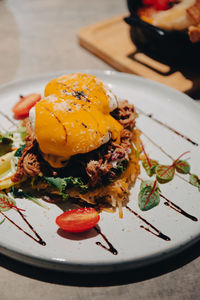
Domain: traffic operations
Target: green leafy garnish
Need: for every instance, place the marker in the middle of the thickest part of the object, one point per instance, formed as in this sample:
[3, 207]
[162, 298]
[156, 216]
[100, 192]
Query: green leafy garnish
[18, 193]
[10, 138]
[62, 184]
[182, 167]
[5, 144]
[149, 166]
[164, 173]
[19, 151]
[194, 180]
[148, 197]
[6, 202]
[1, 222]
[150, 183]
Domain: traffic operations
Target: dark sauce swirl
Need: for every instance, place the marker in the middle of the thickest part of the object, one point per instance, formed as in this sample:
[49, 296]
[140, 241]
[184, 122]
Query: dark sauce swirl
[178, 209]
[157, 232]
[38, 239]
[110, 247]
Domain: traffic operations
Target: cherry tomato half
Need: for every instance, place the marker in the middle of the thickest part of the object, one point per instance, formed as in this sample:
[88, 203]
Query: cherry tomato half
[25, 103]
[158, 4]
[78, 220]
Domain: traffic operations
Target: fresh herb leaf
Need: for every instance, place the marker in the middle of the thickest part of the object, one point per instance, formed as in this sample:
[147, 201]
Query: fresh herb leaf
[19, 151]
[76, 182]
[150, 183]
[194, 180]
[149, 166]
[164, 173]
[2, 221]
[57, 182]
[6, 202]
[18, 193]
[5, 144]
[62, 184]
[182, 167]
[148, 199]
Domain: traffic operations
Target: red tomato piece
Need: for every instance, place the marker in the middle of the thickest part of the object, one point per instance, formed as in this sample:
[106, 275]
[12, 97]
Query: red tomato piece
[25, 103]
[148, 2]
[158, 4]
[161, 4]
[78, 220]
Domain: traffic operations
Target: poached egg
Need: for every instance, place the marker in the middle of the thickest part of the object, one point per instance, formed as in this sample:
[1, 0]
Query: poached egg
[74, 117]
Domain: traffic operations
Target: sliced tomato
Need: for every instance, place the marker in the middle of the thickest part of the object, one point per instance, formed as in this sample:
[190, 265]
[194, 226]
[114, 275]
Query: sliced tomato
[148, 2]
[161, 4]
[25, 103]
[158, 4]
[78, 220]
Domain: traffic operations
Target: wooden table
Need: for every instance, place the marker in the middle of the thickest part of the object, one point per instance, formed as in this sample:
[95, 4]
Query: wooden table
[38, 37]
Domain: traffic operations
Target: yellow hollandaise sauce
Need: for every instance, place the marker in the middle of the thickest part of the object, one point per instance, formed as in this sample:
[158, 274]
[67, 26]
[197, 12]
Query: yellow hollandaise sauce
[84, 86]
[73, 118]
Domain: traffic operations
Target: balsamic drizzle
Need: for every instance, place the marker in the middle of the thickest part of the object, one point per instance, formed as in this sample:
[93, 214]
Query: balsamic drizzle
[110, 247]
[158, 234]
[39, 240]
[167, 126]
[178, 209]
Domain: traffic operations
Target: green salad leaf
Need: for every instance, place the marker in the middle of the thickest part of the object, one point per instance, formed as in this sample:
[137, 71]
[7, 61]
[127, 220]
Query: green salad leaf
[149, 168]
[150, 183]
[2, 221]
[11, 138]
[18, 193]
[5, 144]
[62, 184]
[194, 180]
[182, 167]
[148, 198]
[19, 151]
[6, 202]
[164, 173]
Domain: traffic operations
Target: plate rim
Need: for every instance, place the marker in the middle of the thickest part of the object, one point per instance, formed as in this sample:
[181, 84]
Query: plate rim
[95, 267]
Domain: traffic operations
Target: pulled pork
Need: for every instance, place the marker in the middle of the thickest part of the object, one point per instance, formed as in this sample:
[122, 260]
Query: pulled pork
[125, 114]
[97, 170]
[28, 163]
[95, 166]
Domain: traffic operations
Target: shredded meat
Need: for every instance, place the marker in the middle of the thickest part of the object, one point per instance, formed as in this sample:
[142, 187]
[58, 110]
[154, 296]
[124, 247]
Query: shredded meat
[96, 170]
[28, 163]
[30, 133]
[126, 135]
[125, 114]
[194, 33]
[31, 165]
[194, 14]
[194, 11]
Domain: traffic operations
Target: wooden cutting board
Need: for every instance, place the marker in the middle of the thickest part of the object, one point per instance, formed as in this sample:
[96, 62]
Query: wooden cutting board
[110, 41]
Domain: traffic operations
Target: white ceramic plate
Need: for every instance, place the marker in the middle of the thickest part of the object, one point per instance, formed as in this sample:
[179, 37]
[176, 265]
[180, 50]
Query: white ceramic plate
[136, 247]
